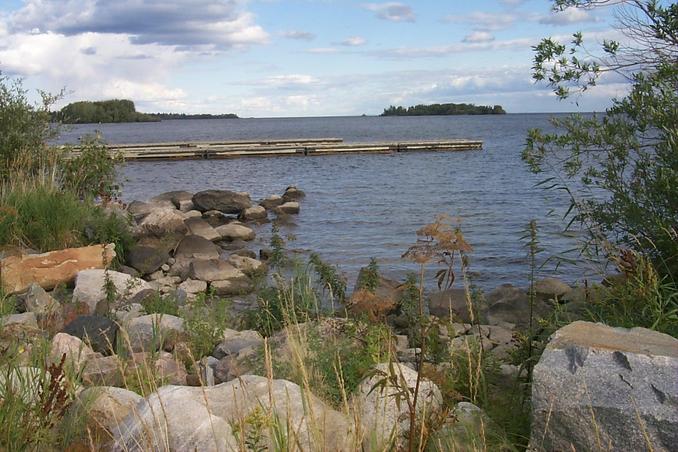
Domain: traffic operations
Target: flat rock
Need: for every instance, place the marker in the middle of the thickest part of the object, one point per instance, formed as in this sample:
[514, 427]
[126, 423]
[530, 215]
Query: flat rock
[27, 319]
[182, 200]
[214, 270]
[231, 287]
[201, 228]
[271, 202]
[245, 264]
[595, 385]
[49, 270]
[235, 231]
[193, 286]
[222, 200]
[288, 208]
[163, 221]
[196, 247]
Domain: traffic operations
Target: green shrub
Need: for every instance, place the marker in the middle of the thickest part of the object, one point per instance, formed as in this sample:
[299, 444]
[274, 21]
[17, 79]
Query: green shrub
[91, 173]
[161, 304]
[368, 278]
[205, 322]
[329, 277]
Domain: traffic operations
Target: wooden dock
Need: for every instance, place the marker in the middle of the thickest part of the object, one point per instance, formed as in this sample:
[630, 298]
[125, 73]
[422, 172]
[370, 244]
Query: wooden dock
[273, 148]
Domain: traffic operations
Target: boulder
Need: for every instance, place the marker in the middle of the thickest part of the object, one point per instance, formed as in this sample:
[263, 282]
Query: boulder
[153, 332]
[103, 371]
[26, 319]
[47, 310]
[231, 287]
[214, 270]
[441, 304]
[193, 286]
[288, 208]
[245, 253]
[182, 200]
[597, 387]
[292, 193]
[200, 418]
[201, 228]
[254, 213]
[146, 259]
[163, 221]
[76, 352]
[245, 264]
[139, 209]
[236, 365]
[235, 341]
[271, 202]
[90, 288]
[49, 270]
[104, 408]
[222, 200]
[236, 231]
[551, 288]
[510, 305]
[383, 415]
[196, 247]
[98, 331]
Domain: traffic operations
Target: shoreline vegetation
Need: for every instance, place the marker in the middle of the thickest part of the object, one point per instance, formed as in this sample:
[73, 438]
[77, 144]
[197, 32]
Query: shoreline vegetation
[120, 111]
[449, 109]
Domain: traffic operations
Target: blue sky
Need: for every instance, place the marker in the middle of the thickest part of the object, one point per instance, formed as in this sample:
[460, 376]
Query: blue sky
[293, 57]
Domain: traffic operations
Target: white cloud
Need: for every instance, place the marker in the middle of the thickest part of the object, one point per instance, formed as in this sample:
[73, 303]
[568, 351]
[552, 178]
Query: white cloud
[186, 23]
[299, 35]
[479, 36]
[392, 11]
[354, 41]
[483, 21]
[568, 16]
[289, 80]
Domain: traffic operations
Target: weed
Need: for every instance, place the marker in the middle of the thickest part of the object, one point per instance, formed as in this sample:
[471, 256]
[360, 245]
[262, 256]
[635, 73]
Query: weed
[161, 304]
[204, 324]
[329, 278]
[368, 279]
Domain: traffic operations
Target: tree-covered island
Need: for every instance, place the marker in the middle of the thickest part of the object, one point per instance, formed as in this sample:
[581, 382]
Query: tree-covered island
[444, 109]
[118, 110]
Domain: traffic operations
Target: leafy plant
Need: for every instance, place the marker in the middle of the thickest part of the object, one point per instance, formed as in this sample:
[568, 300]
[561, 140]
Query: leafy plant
[161, 304]
[91, 172]
[329, 278]
[205, 323]
[368, 279]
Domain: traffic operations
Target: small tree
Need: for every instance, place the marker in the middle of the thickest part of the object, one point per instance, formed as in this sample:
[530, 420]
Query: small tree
[626, 159]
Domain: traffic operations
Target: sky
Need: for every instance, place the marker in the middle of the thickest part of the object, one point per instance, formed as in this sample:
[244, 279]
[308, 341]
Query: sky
[271, 58]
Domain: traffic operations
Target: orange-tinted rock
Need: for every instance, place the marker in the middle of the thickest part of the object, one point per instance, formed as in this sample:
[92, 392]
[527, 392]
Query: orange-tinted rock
[53, 268]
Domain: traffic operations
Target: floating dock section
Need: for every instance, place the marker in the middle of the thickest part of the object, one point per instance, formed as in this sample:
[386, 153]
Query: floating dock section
[277, 148]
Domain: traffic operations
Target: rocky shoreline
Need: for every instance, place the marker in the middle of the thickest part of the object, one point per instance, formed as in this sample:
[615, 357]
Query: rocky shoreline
[191, 249]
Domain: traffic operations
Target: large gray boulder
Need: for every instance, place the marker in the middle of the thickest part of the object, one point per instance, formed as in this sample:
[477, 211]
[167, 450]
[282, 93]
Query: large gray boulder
[511, 305]
[182, 200]
[383, 413]
[198, 226]
[197, 247]
[90, 287]
[453, 301]
[200, 418]
[236, 231]
[159, 222]
[214, 270]
[601, 388]
[152, 332]
[225, 201]
[146, 259]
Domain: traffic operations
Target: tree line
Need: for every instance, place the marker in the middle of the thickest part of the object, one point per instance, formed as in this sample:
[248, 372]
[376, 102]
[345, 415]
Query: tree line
[444, 109]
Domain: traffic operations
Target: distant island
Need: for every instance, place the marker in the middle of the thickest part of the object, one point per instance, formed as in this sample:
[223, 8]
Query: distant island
[119, 110]
[444, 109]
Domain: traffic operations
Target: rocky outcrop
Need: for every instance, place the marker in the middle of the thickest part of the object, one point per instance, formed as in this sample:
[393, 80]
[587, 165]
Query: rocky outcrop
[383, 413]
[225, 201]
[51, 269]
[597, 387]
[187, 418]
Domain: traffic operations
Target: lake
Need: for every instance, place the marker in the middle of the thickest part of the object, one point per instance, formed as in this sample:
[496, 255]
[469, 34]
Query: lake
[363, 206]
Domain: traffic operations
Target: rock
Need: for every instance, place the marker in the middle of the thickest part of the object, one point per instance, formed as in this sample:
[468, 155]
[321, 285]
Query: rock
[509, 304]
[292, 193]
[222, 200]
[76, 352]
[138, 209]
[245, 252]
[467, 429]
[409, 355]
[234, 366]
[235, 231]
[193, 286]
[196, 247]
[245, 264]
[382, 302]
[440, 304]
[26, 319]
[214, 270]
[190, 418]
[597, 385]
[104, 408]
[153, 332]
[104, 371]
[551, 288]
[49, 270]
[379, 411]
[90, 284]
[163, 221]
[265, 254]
[41, 303]
[240, 286]
[201, 228]
[271, 202]
[98, 331]
[129, 312]
[289, 208]
[402, 342]
[182, 200]
[146, 259]
[254, 213]
[129, 271]
[235, 341]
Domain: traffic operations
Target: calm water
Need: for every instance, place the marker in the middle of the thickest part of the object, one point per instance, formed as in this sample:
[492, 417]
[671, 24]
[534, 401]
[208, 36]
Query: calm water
[362, 206]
